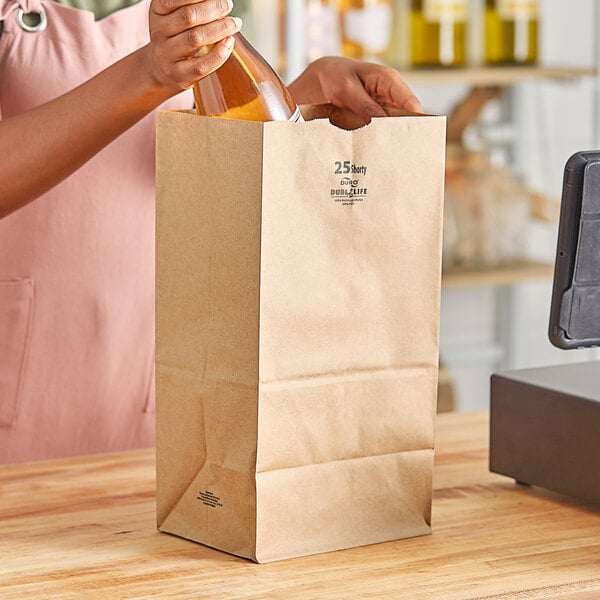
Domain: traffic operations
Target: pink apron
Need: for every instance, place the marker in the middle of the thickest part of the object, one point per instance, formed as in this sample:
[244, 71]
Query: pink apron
[77, 265]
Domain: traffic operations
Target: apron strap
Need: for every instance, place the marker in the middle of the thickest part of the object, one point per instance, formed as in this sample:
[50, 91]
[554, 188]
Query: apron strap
[8, 7]
[18, 9]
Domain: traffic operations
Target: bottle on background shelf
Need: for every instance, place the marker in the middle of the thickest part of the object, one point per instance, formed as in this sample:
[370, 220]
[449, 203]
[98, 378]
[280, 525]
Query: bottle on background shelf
[398, 52]
[438, 32]
[511, 31]
[322, 29]
[366, 28]
[245, 87]
[476, 33]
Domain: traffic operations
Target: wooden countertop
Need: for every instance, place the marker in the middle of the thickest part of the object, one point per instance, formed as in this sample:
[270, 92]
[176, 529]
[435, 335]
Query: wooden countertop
[85, 528]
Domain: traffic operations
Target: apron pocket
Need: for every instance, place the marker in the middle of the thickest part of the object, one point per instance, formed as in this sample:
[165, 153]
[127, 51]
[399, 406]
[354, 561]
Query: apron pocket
[16, 313]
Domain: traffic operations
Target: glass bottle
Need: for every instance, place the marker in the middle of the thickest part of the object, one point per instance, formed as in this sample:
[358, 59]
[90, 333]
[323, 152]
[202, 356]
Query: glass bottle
[438, 32]
[366, 27]
[245, 87]
[322, 29]
[476, 33]
[398, 51]
[511, 31]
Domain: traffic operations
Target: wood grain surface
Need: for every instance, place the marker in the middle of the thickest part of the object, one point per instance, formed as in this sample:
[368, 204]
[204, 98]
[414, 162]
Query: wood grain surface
[85, 528]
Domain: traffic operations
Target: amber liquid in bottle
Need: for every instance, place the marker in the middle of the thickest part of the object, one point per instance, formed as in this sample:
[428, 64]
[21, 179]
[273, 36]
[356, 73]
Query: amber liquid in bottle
[245, 87]
[438, 32]
[511, 30]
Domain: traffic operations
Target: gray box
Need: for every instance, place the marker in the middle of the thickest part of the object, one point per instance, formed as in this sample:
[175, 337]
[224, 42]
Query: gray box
[545, 428]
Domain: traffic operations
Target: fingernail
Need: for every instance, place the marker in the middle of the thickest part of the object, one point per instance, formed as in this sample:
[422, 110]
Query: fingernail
[230, 4]
[228, 41]
[238, 22]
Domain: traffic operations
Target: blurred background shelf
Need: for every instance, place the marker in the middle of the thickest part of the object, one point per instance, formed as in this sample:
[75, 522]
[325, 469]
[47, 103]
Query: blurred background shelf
[468, 277]
[493, 76]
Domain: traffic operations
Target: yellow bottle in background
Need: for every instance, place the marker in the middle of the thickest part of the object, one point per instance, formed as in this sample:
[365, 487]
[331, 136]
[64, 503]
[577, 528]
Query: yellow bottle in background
[366, 27]
[398, 52]
[438, 32]
[511, 31]
[245, 87]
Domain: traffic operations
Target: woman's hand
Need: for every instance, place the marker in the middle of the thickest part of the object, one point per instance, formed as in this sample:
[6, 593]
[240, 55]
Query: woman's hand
[181, 35]
[66, 137]
[365, 88]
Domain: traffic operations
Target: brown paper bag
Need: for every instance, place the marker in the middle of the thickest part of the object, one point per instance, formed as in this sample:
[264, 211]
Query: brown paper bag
[298, 286]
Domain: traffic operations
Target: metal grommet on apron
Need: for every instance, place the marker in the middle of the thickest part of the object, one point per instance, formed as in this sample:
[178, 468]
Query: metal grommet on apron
[39, 26]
